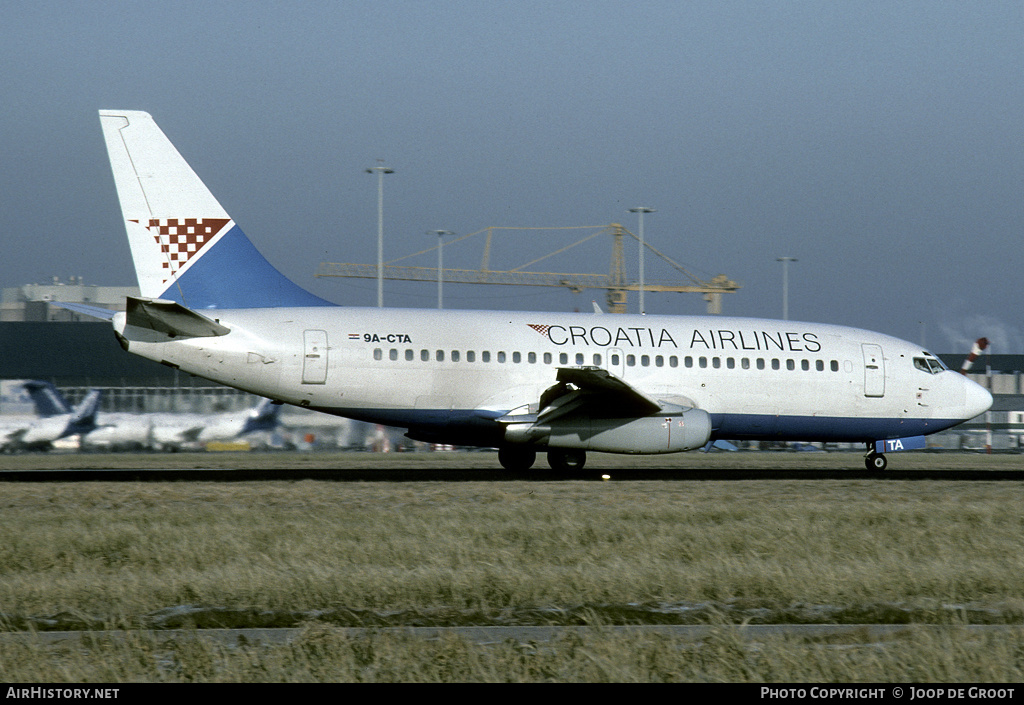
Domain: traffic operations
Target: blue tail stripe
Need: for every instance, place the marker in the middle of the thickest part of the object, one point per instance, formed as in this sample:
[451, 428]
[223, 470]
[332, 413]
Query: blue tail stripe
[232, 273]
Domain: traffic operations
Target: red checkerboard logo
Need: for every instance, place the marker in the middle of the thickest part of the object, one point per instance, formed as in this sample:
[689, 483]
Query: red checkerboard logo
[180, 239]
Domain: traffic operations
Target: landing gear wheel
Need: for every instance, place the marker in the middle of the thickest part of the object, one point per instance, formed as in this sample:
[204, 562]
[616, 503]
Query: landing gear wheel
[875, 462]
[517, 459]
[564, 460]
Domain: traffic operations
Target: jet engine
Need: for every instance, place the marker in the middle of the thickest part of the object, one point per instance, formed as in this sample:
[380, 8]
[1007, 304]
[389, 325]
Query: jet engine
[668, 433]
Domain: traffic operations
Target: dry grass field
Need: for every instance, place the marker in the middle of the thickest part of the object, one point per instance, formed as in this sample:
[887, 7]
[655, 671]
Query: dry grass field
[325, 554]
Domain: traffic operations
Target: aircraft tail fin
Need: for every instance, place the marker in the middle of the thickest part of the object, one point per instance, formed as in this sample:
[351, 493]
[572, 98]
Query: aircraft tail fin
[264, 417]
[83, 416]
[185, 246]
[47, 400]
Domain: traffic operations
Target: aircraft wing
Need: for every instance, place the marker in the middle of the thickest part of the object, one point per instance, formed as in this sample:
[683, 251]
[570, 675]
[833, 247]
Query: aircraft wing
[585, 391]
[602, 393]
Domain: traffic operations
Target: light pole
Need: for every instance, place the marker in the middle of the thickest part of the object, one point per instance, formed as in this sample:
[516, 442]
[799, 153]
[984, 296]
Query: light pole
[440, 248]
[380, 170]
[785, 284]
[640, 210]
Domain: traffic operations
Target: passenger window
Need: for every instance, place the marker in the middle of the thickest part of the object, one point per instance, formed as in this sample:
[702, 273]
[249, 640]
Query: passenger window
[673, 361]
[659, 361]
[645, 360]
[470, 356]
[410, 355]
[615, 360]
[835, 365]
[790, 365]
[745, 363]
[547, 358]
[501, 356]
[805, 365]
[455, 355]
[563, 358]
[517, 357]
[579, 358]
[730, 363]
[688, 361]
[819, 365]
[716, 362]
[760, 363]
[597, 360]
[485, 356]
[630, 360]
[392, 354]
[378, 354]
[775, 363]
[425, 355]
[531, 358]
[703, 362]
[439, 356]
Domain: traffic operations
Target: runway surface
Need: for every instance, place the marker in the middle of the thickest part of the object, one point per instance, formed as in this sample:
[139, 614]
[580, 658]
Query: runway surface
[483, 466]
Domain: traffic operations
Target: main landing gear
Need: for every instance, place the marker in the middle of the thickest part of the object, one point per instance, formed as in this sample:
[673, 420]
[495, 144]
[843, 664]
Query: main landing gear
[517, 458]
[566, 459]
[520, 459]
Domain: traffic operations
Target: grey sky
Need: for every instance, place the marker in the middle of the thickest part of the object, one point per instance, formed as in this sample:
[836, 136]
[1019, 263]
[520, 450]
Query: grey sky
[878, 142]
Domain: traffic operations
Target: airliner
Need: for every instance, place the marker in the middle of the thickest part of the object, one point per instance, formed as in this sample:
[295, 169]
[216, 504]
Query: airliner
[55, 421]
[525, 383]
[178, 431]
[171, 431]
[47, 401]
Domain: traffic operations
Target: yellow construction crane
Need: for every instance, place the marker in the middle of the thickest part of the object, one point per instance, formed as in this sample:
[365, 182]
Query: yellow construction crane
[614, 282]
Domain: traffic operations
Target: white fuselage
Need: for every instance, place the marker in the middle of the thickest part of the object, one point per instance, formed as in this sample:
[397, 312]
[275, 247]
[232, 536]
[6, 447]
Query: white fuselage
[455, 372]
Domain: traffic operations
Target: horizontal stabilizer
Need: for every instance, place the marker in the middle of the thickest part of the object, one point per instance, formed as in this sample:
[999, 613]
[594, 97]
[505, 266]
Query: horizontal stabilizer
[85, 309]
[172, 319]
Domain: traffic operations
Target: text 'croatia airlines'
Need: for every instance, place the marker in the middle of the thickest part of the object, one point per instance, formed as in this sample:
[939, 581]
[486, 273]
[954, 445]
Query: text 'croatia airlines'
[560, 383]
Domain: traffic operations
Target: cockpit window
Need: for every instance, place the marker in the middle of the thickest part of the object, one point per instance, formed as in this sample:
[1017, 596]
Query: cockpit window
[931, 365]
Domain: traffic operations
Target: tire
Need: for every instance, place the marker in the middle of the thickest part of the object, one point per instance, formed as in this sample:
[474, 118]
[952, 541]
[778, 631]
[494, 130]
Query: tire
[567, 459]
[516, 459]
[876, 462]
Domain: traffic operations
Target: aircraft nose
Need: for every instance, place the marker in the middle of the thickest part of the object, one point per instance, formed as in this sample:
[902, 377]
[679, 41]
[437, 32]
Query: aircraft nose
[977, 400]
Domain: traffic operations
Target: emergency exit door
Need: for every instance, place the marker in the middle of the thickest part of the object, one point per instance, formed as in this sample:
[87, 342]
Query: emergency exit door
[874, 371]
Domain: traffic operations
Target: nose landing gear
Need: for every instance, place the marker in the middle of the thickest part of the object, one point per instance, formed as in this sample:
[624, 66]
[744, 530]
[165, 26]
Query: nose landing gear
[875, 461]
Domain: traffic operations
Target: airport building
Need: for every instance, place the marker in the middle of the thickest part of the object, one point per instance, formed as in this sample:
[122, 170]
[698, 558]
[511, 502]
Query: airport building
[35, 302]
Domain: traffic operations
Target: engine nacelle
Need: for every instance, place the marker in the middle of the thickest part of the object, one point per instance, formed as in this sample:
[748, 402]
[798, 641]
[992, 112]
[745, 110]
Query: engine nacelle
[668, 433]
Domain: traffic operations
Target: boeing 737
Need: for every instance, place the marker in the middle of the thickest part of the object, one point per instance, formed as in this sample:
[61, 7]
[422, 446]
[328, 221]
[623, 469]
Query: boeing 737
[559, 383]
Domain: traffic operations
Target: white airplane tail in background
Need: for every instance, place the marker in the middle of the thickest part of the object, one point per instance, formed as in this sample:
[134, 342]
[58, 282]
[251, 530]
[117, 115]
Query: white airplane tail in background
[185, 246]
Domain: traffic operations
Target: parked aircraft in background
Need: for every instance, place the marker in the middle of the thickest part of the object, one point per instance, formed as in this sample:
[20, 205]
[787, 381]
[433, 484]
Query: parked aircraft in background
[46, 401]
[55, 421]
[525, 383]
[167, 431]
